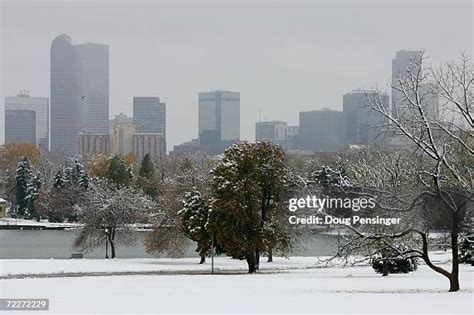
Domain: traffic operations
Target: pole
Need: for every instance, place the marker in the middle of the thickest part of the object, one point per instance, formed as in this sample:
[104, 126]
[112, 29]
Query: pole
[338, 241]
[106, 245]
[212, 255]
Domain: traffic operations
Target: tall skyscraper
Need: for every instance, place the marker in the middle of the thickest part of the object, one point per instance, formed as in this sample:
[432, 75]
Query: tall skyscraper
[363, 125]
[322, 130]
[40, 106]
[93, 69]
[79, 92]
[65, 122]
[149, 115]
[219, 119]
[403, 60]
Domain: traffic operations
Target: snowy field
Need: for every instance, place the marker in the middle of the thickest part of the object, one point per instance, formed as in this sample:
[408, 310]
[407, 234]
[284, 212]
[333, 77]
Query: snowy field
[298, 285]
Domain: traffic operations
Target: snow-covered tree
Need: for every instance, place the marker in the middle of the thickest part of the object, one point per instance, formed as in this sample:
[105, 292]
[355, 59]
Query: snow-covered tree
[429, 183]
[176, 177]
[194, 219]
[27, 185]
[69, 186]
[147, 168]
[10, 154]
[109, 213]
[77, 175]
[382, 265]
[466, 248]
[442, 141]
[248, 203]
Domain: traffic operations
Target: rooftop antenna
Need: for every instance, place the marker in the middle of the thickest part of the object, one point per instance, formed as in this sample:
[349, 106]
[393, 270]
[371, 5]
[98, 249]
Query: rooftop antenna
[259, 115]
[24, 93]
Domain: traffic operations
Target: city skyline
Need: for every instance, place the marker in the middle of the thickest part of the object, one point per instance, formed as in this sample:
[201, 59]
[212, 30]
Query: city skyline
[186, 59]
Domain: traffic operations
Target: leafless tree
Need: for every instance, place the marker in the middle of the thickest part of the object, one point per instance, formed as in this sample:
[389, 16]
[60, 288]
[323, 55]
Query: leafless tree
[178, 176]
[442, 144]
[390, 179]
[109, 215]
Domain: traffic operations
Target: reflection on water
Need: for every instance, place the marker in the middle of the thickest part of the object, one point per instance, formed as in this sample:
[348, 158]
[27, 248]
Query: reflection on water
[58, 244]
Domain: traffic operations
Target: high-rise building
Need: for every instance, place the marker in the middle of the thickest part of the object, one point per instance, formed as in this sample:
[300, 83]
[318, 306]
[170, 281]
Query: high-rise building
[149, 143]
[65, 122]
[20, 126]
[93, 70]
[94, 143]
[404, 63]
[322, 130]
[404, 60]
[363, 124]
[149, 115]
[293, 137]
[40, 105]
[122, 130]
[272, 131]
[79, 92]
[219, 119]
[430, 101]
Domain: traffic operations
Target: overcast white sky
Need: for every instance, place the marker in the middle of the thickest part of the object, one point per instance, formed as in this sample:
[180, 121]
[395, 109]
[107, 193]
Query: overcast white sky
[282, 56]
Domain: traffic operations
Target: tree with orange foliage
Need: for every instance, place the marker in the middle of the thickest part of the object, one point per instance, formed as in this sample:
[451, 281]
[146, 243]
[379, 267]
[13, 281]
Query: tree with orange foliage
[10, 154]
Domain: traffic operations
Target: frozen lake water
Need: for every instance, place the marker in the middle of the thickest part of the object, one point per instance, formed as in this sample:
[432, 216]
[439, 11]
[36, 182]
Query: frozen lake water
[17, 244]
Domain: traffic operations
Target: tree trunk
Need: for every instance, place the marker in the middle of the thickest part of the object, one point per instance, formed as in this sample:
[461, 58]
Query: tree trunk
[251, 261]
[452, 276]
[454, 279]
[270, 256]
[385, 267]
[106, 248]
[112, 248]
[203, 259]
[257, 259]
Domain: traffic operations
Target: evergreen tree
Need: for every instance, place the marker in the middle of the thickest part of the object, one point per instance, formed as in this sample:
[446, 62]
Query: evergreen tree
[247, 205]
[147, 180]
[194, 222]
[59, 179]
[332, 183]
[466, 247]
[78, 175]
[382, 264]
[22, 175]
[27, 185]
[69, 186]
[119, 172]
[147, 168]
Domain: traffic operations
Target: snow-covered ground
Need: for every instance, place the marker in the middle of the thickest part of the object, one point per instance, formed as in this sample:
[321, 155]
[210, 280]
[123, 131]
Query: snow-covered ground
[43, 223]
[15, 267]
[24, 267]
[297, 285]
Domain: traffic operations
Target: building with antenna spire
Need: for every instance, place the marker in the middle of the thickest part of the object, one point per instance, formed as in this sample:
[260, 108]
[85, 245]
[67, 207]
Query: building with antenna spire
[27, 120]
